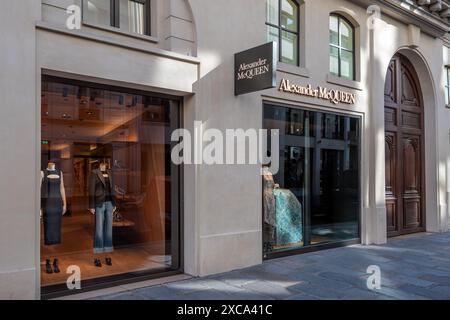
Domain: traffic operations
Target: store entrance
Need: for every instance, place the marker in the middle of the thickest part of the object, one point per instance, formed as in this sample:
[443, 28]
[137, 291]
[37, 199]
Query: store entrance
[109, 191]
[404, 157]
[313, 201]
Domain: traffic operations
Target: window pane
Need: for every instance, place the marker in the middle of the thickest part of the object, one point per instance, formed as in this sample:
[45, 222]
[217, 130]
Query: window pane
[333, 127]
[315, 196]
[97, 12]
[334, 60]
[273, 34]
[334, 30]
[346, 35]
[289, 15]
[289, 48]
[272, 12]
[347, 64]
[107, 148]
[132, 17]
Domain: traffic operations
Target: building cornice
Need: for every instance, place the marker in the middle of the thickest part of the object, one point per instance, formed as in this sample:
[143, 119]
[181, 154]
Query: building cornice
[431, 16]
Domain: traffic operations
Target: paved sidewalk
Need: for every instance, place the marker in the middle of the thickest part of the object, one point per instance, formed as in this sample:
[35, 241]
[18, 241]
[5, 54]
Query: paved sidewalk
[414, 267]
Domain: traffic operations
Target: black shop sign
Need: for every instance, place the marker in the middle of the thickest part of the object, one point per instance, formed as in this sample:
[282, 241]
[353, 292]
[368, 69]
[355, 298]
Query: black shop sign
[255, 69]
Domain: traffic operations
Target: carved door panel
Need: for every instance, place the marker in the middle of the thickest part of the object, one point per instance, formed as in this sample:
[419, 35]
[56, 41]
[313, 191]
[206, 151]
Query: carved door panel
[403, 149]
[391, 171]
[411, 183]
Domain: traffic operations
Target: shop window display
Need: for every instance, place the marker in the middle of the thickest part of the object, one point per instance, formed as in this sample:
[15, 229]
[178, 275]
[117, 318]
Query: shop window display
[314, 199]
[109, 192]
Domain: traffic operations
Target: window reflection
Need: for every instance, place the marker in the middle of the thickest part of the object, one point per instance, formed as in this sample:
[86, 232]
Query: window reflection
[102, 137]
[97, 12]
[129, 15]
[282, 22]
[314, 198]
[289, 14]
[342, 55]
[132, 17]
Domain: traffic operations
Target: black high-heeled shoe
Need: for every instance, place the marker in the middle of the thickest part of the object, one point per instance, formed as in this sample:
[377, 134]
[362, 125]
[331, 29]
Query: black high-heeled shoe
[56, 266]
[98, 263]
[108, 262]
[48, 267]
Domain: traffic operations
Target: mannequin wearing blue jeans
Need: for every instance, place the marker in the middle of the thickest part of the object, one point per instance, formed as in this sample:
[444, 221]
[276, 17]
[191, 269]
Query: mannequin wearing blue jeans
[102, 204]
[103, 238]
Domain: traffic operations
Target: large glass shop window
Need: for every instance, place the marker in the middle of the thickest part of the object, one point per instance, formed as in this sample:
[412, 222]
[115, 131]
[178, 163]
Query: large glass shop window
[314, 199]
[109, 197]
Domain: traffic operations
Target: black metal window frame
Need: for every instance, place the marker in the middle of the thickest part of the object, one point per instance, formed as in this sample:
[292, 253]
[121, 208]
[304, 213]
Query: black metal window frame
[115, 14]
[281, 30]
[341, 48]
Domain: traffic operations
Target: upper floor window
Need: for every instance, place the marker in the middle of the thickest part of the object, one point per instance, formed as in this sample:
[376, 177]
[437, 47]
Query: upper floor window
[447, 86]
[127, 15]
[282, 24]
[342, 47]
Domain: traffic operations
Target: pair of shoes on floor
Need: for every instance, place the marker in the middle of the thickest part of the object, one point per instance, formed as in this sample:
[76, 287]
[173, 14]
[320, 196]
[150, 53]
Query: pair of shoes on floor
[52, 268]
[98, 262]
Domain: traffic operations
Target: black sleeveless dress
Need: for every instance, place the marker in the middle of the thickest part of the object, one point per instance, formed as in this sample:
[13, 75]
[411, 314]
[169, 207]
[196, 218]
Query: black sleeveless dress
[52, 207]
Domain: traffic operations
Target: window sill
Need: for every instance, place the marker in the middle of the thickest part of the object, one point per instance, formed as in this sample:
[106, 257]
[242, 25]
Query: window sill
[344, 82]
[116, 42]
[121, 32]
[291, 69]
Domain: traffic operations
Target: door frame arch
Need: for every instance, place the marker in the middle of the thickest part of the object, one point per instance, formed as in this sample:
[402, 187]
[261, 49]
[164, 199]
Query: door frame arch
[374, 221]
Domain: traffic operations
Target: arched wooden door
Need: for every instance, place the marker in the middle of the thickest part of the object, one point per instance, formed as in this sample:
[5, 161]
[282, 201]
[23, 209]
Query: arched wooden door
[405, 189]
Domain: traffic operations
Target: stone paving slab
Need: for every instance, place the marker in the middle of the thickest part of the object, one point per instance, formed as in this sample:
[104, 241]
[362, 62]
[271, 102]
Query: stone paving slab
[414, 267]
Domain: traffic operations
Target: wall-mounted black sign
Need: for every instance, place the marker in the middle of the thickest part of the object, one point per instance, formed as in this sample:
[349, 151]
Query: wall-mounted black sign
[256, 69]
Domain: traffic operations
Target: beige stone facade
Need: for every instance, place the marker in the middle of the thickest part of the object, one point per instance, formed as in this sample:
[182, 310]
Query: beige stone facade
[190, 54]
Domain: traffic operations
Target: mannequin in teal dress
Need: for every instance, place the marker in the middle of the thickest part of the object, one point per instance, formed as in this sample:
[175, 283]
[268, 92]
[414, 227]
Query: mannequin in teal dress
[289, 228]
[283, 215]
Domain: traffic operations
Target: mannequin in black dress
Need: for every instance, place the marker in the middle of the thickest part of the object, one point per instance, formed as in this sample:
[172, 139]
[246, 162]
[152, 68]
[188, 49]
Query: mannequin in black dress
[53, 207]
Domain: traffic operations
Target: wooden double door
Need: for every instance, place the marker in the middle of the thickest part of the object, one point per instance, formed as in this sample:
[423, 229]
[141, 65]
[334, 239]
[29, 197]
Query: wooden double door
[404, 126]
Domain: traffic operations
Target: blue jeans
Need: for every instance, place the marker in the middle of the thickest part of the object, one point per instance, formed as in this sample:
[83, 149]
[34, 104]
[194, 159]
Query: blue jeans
[103, 238]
